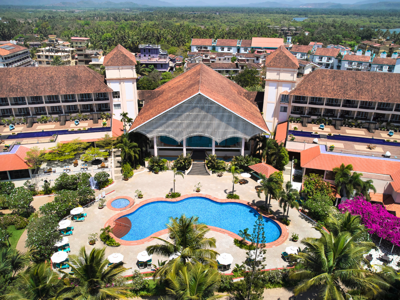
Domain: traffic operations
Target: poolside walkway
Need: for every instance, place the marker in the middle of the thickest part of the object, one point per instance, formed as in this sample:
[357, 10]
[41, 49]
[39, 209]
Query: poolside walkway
[154, 186]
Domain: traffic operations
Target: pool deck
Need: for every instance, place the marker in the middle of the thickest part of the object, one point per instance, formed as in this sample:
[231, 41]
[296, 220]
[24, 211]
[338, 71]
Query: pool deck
[156, 186]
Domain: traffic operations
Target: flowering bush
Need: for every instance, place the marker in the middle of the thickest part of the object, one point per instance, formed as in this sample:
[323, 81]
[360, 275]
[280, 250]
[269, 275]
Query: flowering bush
[20, 200]
[8, 220]
[6, 187]
[375, 217]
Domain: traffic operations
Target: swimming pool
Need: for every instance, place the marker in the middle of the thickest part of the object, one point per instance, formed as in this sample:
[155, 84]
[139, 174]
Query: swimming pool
[120, 203]
[153, 217]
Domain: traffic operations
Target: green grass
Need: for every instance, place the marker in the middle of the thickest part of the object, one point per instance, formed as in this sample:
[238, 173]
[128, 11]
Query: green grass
[15, 235]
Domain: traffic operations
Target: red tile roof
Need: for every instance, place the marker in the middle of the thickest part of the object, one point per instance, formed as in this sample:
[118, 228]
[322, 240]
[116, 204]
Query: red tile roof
[245, 43]
[12, 162]
[119, 57]
[360, 58]
[384, 61]
[15, 48]
[281, 132]
[327, 52]
[362, 86]
[79, 38]
[301, 48]
[200, 79]
[262, 42]
[117, 128]
[226, 43]
[20, 82]
[281, 58]
[264, 169]
[201, 42]
[315, 43]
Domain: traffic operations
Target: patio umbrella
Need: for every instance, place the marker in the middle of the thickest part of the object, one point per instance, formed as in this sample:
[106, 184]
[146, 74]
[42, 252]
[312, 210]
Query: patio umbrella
[62, 242]
[388, 154]
[64, 224]
[76, 211]
[315, 141]
[175, 255]
[225, 258]
[259, 181]
[59, 257]
[260, 255]
[291, 250]
[143, 256]
[245, 175]
[115, 258]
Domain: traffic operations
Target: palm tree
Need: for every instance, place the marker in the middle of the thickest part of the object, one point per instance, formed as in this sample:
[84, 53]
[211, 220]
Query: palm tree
[95, 278]
[234, 171]
[196, 282]
[129, 150]
[12, 261]
[176, 172]
[188, 242]
[342, 177]
[354, 183]
[39, 282]
[392, 288]
[125, 120]
[269, 147]
[271, 187]
[333, 264]
[366, 186]
[56, 61]
[289, 198]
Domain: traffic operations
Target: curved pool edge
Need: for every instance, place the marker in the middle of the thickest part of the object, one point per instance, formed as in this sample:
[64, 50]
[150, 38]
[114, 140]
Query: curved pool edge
[130, 205]
[110, 222]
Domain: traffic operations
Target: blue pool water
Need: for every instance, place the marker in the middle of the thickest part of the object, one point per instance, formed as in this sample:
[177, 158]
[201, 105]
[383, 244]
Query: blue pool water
[233, 217]
[120, 203]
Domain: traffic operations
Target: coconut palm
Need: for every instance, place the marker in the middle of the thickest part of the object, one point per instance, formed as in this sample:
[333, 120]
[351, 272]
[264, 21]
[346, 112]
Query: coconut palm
[366, 186]
[176, 172]
[129, 150]
[12, 261]
[188, 242]
[288, 198]
[269, 146]
[354, 184]
[392, 289]
[195, 282]
[56, 61]
[342, 177]
[235, 179]
[39, 282]
[337, 224]
[92, 277]
[271, 187]
[333, 265]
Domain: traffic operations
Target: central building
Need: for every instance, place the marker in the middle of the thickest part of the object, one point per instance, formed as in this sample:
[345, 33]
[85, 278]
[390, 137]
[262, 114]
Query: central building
[199, 110]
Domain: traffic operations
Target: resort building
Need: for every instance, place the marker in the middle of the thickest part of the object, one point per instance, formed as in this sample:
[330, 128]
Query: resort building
[383, 64]
[13, 165]
[343, 50]
[12, 55]
[79, 42]
[44, 56]
[201, 45]
[86, 56]
[306, 67]
[378, 46]
[199, 111]
[152, 55]
[316, 45]
[224, 45]
[57, 91]
[121, 78]
[326, 58]
[356, 62]
[301, 51]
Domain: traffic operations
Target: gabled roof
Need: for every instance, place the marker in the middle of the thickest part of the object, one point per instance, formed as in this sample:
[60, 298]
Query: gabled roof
[245, 43]
[201, 42]
[333, 52]
[359, 58]
[384, 61]
[117, 128]
[264, 169]
[226, 43]
[15, 160]
[281, 132]
[301, 48]
[57, 80]
[281, 58]
[119, 57]
[262, 42]
[204, 80]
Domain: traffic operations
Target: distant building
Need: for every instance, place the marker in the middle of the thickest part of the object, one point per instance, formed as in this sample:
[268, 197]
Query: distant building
[326, 58]
[14, 56]
[79, 41]
[34, 44]
[343, 50]
[85, 56]
[306, 67]
[152, 55]
[44, 56]
[301, 51]
[201, 45]
[316, 44]
[356, 62]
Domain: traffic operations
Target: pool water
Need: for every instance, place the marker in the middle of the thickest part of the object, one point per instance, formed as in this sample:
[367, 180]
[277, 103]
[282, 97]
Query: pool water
[120, 203]
[153, 217]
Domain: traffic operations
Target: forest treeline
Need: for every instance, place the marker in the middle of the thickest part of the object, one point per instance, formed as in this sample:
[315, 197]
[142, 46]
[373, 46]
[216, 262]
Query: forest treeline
[174, 28]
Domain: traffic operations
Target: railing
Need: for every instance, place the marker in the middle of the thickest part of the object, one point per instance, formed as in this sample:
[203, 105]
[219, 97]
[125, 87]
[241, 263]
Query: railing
[367, 107]
[103, 109]
[22, 114]
[40, 113]
[350, 105]
[314, 113]
[85, 99]
[384, 108]
[297, 112]
[87, 110]
[332, 104]
[35, 102]
[71, 111]
[101, 99]
[68, 100]
[316, 103]
[18, 103]
[3, 103]
[52, 101]
[299, 101]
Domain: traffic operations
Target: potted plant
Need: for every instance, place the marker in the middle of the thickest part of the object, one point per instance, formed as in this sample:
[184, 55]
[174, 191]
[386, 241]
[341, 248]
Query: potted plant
[331, 147]
[127, 171]
[102, 202]
[220, 174]
[295, 237]
[139, 194]
[75, 163]
[198, 187]
[93, 237]
[103, 165]
[156, 170]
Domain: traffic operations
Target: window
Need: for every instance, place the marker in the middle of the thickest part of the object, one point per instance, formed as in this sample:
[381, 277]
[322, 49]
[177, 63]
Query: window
[55, 109]
[117, 106]
[283, 109]
[3, 175]
[69, 97]
[229, 49]
[284, 99]
[52, 98]
[116, 95]
[222, 49]
[245, 49]
[19, 174]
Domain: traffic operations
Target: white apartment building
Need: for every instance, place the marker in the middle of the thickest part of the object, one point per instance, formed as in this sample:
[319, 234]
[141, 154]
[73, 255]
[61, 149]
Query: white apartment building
[244, 46]
[356, 62]
[44, 56]
[326, 58]
[301, 51]
[201, 45]
[12, 55]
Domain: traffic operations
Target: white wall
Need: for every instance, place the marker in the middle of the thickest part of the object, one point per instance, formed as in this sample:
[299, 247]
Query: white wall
[194, 48]
[241, 50]
[226, 49]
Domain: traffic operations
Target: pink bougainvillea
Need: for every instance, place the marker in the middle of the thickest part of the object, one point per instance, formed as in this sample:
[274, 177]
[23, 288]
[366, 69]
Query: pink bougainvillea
[375, 217]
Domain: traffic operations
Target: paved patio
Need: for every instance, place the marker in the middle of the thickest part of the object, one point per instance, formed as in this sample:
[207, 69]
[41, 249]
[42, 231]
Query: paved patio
[159, 185]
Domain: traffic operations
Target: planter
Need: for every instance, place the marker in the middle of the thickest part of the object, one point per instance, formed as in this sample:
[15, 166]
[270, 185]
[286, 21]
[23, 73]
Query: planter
[294, 240]
[140, 197]
[101, 207]
[92, 243]
[198, 191]
[126, 179]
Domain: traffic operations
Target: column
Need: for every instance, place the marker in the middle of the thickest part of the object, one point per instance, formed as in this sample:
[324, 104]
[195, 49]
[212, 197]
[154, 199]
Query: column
[155, 146]
[8, 174]
[184, 146]
[242, 150]
[213, 146]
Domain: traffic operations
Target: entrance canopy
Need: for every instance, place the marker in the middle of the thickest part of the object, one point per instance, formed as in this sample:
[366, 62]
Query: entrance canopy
[200, 102]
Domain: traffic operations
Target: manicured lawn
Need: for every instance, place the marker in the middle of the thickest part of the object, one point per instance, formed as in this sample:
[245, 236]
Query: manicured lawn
[15, 235]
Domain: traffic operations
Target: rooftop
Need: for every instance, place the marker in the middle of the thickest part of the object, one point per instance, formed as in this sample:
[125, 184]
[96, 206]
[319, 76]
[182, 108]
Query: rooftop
[261, 42]
[281, 58]
[77, 38]
[333, 52]
[384, 61]
[264, 169]
[359, 58]
[20, 82]
[118, 57]
[245, 43]
[9, 48]
[362, 86]
[14, 160]
[227, 43]
[201, 42]
[301, 48]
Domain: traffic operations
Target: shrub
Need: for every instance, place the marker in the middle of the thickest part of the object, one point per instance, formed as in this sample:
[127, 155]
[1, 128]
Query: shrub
[232, 196]
[102, 179]
[157, 162]
[214, 164]
[183, 163]
[319, 207]
[226, 284]
[285, 221]
[63, 202]
[106, 238]
[242, 163]
[127, 171]
[6, 187]
[20, 200]
[242, 245]
[172, 195]
[331, 147]
[71, 182]
[138, 281]
[18, 221]
[295, 128]
[47, 188]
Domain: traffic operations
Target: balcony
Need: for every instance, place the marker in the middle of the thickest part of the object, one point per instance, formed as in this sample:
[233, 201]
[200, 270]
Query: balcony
[300, 101]
[346, 114]
[297, 112]
[52, 101]
[330, 113]
[314, 113]
[71, 111]
[18, 102]
[6, 113]
[101, 98]
[40, 113]
[22, 114]
[397, 108]
[4, 102]
[350, 104]
[332, 103]
[56, 112]
[384, 107]
[380, 117]
[87, 110]
[85, 99]
[366, 106]
[69, 100]
[35, 102]
[99, 109]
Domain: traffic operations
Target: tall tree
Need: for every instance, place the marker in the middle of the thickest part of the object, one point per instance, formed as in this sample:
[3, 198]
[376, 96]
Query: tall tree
[179, 173]
[56, 61]
[271, 187]
[129, 150]
[34, 157]
[288, 198]
[366, 186]
[342, 178]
